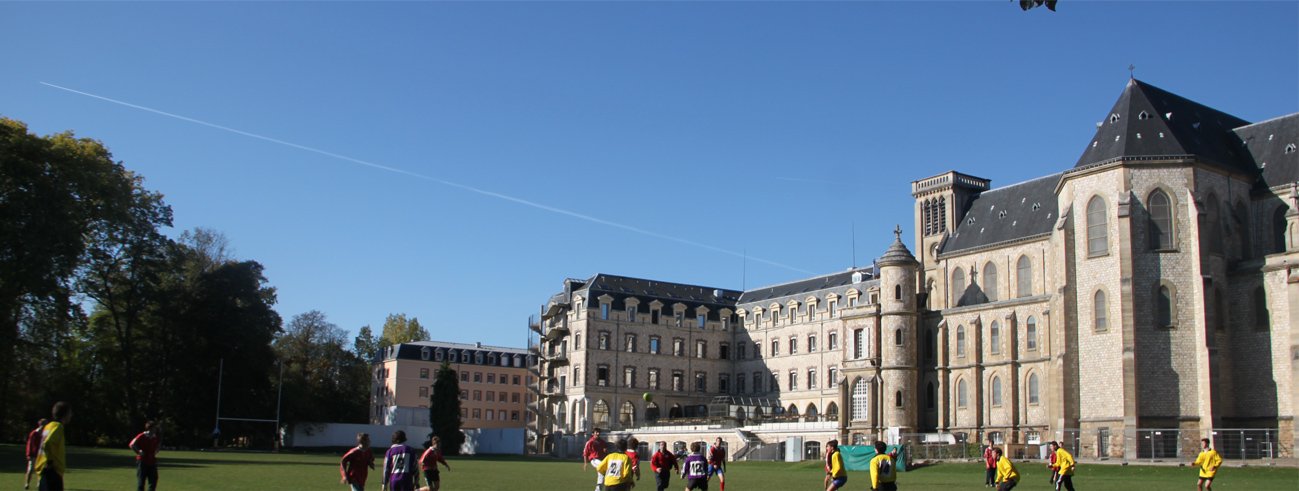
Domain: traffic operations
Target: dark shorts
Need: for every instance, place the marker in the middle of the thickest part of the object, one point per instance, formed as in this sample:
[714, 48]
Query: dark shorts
[839, 482]
[407, 484]
[1206, 479]
[50, 481]
[663, 478]
[887, 486]
[431, 475]
[618, 487]
[701, 484]
[1006, 486]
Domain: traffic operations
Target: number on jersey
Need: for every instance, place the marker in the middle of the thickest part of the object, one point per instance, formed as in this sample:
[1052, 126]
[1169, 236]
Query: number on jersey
[886, 467]
[615, 468]
[697, 468]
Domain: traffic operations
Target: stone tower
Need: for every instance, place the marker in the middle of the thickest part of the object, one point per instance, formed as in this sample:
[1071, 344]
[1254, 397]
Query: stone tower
[941, 201]
[897, 339]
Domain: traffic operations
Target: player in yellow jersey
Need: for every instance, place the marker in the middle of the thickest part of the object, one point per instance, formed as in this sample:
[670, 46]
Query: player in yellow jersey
[1208, 461]
[616, 468]
[883, 477]
[1007, 476]
[836, 475]
[1064, 465]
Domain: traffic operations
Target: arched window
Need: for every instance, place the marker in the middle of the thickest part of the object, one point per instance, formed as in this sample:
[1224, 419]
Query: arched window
[897, 292]
[811, 411]
[1030, 333]
[994, 335]
[1161, 220]
[652, 411]
[561, 414]
[832, 412]
[1098, 241]
[1262, 318]
[1242, 230]
[627, 415]
[601, 413]
[1033, 397]
[897, 337]
[897, 399]
[962, 394]
[1279, 229]
[990, 281]
[793, 410]
[996, 391]
[942, 213]
[1024, 277]
[928, 216]
[958, 286]
[860, 401]
[1100, 311]
[931, 397]
[1212, 231]
[960, 341]
[1163, 307]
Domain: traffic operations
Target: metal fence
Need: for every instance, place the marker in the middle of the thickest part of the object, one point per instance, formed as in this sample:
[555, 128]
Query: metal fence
[1151, 445]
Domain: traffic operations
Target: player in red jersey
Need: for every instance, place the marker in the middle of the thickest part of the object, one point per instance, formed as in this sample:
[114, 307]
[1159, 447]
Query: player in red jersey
[593, 453]
[717, 462]
[146, 446]
[429, 464]
[632, 445]
[33, 449]
[357, 462]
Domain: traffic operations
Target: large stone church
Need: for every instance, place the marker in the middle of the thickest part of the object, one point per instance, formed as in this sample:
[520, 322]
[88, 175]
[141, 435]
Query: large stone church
[1153, 284]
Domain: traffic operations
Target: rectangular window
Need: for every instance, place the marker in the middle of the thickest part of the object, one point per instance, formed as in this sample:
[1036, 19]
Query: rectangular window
[478, 378]
[604, 340]
[723, 383]
[811, 378]
[678, 347]
[701, 382]
[775, 347]
[629, 377]
[724, 351]
[775, 382]
[702, 319]
[701, 349]
[654, 316]
[514, 415]
[793, 345]
[464, 413]
[654, 345]
[793, 380]
[677, 381]
[757, 350]
[602, 376]
[654, 379]
[834, 305]
[516, 380]
[464, 377]
[811, 343]
[478, 414]
[491, 378]
[423, 373]
[514, 397]
[739, 351]
[423, 392]
[757, 382]
[604, 311]
[631, 343]
[859, 343]
[491, 414]
[834, 340]
[726, 323]
[503, 396]
[680, 318]
[631, 314]
[464, 395]
[478, 395]
[739, 384]
[491, 396]
[833, 382]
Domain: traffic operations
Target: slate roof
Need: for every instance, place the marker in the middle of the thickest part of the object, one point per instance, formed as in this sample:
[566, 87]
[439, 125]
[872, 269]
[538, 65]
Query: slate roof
[1151, 122]
[668, 293]
[838, 283]
[1266, 145]
[1007, 213]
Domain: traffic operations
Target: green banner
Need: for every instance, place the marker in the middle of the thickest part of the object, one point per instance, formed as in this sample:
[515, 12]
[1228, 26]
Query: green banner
[858, 457]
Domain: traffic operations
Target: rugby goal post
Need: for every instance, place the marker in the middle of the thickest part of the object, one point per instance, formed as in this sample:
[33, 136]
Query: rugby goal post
[276, 436]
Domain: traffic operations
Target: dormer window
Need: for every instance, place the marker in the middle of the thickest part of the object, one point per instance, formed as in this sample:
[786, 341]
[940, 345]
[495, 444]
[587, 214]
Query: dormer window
[1114, 118]
[424, 353]
[1290, 148]
[1143, 115]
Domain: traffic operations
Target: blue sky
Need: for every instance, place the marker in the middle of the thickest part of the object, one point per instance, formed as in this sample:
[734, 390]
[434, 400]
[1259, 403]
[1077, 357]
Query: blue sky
[684, 134]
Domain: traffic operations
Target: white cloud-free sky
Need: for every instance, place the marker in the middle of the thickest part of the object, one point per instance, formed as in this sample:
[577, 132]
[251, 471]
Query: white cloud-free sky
[457, 161]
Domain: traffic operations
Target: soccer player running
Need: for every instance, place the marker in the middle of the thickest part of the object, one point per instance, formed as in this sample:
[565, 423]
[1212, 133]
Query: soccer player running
[33, 450]
[663, 463]
[1064, 465]
[52, 461]
[429, 464]
[989, 464]
[694, 469]
[146, 445]
[399, 471]
[836, 475]
[1050, 465]
[717, 462]
[616, 469]
[1007, 474]
[593, 453]
[632, 445]
[1209, 460]
[882, 476]
[357, 462]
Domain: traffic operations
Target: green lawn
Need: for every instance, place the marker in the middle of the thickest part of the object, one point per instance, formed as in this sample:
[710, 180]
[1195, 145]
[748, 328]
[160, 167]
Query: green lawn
[114, 469]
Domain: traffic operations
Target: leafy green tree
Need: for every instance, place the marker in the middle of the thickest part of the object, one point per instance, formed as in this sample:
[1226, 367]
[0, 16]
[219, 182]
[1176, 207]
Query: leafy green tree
[397, 329]
[444, 409]
[324, 382]
[366, 344]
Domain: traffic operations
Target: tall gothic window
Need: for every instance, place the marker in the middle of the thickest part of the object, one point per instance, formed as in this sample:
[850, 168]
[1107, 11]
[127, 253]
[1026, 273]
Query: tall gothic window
[990, 281]
[962, 394]
[1100, 311]
[996, 391]
[958, 286]
[994, 335]
[1024, 277]
[1098, 242]
[860, 401]
[1279, 228]
[1242, 230]
[1033, 397]
[1161, 220]
[942, 213]
[1030, 333]
[960, 341]
[1163, 307]
[1212, 232]
[927, 217]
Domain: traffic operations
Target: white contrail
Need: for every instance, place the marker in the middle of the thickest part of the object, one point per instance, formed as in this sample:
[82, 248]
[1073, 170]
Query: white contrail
[434, 179]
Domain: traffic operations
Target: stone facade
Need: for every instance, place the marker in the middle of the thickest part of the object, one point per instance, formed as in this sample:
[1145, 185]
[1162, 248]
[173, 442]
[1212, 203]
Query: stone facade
[1153, 285]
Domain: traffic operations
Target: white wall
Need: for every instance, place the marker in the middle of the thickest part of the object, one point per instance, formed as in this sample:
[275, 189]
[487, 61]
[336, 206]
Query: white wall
[496, 441]
[344, 435]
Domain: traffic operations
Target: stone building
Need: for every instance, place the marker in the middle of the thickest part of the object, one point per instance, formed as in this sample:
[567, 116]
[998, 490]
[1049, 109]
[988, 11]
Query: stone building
[1152, 285]
[493, 384]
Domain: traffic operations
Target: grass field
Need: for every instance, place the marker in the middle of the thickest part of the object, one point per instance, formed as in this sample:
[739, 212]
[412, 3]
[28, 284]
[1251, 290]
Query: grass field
[114, 469]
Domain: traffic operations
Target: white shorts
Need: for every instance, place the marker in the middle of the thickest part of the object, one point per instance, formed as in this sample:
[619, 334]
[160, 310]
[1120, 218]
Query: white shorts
[599, 477]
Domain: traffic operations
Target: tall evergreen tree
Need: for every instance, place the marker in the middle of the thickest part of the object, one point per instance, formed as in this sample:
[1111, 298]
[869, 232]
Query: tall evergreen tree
[444, 409]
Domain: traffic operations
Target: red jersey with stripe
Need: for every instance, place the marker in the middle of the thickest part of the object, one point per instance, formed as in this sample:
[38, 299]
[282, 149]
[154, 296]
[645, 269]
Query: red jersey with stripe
[429, 461]
[146, 447]
[356, 465]
[34, 443]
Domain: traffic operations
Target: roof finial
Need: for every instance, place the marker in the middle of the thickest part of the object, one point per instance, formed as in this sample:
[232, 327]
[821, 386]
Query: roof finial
[1131, 73]
[897, 230]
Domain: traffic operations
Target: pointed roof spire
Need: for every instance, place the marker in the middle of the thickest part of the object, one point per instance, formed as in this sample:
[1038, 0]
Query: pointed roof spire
[898, 254]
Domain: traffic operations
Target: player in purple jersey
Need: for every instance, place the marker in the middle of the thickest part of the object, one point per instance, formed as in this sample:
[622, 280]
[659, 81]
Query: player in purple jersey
[695, 469]
[400, 465]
